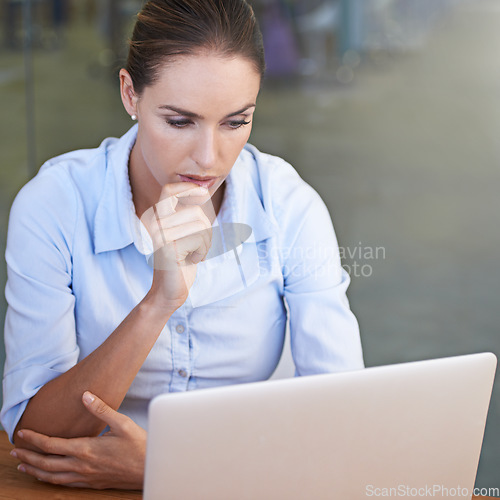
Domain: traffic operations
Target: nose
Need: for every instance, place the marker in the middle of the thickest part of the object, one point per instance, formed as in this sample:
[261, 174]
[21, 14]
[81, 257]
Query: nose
[206, 149]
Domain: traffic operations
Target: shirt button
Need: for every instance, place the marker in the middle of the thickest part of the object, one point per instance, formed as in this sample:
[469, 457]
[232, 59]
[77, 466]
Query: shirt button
[182, 373]
[179, 329]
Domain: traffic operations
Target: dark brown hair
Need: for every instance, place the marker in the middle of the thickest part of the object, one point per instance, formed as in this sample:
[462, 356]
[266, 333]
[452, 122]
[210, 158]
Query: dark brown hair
[170, 28]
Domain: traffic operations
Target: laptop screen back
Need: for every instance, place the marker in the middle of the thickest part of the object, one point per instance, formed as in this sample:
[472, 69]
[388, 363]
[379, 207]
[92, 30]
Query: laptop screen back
[348, 435]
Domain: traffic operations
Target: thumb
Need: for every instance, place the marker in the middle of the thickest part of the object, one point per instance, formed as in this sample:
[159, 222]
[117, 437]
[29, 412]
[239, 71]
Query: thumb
[101, 410]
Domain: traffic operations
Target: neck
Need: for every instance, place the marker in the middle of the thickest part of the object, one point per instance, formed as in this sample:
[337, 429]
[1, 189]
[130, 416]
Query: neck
[145, 190]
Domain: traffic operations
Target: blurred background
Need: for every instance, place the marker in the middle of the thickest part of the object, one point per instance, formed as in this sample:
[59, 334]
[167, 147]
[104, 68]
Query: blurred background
[389, 108]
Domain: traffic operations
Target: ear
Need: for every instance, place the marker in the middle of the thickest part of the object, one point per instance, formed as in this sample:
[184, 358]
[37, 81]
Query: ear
[128, 95]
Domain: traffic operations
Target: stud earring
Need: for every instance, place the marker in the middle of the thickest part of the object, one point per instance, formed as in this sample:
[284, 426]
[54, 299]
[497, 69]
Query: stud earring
[134, 117]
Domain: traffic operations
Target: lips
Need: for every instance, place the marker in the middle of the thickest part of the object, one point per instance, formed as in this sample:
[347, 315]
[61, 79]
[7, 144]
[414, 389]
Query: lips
[206, 182]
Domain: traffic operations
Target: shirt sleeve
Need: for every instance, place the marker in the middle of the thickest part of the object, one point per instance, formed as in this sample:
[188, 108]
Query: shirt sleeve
[40, 338]
[324, 333]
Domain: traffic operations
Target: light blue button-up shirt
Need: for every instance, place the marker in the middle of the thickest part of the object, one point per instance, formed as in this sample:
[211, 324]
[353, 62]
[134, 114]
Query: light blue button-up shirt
[76, 268]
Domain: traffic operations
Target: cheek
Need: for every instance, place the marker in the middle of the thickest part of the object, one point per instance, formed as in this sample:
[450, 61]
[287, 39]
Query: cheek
[163, 153]
[238, 143]
[246, 135]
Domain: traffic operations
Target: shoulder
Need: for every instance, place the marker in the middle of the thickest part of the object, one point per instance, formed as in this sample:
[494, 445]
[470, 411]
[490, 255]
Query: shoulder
[50, 201]
[272, 168]
[83, 170]
[61, 178]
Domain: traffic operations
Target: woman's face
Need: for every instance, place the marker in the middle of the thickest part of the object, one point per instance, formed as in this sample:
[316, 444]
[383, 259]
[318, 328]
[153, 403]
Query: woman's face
[193, 121]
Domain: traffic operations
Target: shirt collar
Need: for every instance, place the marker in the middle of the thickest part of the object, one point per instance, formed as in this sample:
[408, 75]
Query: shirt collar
[115, 213]
[113, 219]
[243, 200]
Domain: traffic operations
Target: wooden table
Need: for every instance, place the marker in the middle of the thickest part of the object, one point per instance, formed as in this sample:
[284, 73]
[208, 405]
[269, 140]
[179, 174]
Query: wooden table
[15, 485]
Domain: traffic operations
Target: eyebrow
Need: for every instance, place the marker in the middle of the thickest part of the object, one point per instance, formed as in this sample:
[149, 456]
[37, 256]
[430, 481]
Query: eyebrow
[190, 114]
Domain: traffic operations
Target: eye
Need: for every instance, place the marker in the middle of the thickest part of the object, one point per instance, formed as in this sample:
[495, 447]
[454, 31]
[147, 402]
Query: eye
[235, 124]
[179, 123]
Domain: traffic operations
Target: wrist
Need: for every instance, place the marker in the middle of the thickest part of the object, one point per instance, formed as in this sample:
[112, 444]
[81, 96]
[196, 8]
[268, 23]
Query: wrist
[157, 307]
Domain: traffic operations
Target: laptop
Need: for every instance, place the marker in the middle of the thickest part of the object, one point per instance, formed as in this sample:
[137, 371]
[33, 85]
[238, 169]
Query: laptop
[400, 430]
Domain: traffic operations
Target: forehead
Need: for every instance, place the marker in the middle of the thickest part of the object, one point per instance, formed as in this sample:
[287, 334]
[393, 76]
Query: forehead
[208, 81]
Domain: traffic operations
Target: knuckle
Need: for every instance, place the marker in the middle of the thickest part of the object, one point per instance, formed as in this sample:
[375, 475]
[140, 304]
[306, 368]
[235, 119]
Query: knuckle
[195, 212]
[165, 207]
[148, 216]
[167, 191]
[51, 478]
[85, 451]
[203, 230]
[85, 469]
[200, 239]
[126, 426]
[44, 464]
[49, 447]
[201, 214]
[101, 408]
[197, 228]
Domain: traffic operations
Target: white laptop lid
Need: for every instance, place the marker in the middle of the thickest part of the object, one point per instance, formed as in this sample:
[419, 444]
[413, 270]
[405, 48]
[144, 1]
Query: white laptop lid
[339, 436]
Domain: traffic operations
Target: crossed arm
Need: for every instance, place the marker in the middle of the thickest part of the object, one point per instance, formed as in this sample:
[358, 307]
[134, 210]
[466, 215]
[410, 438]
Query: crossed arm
[114, 460]
[57, 438]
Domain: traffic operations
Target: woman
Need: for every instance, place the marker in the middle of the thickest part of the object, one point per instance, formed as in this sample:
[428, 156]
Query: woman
[109, 301]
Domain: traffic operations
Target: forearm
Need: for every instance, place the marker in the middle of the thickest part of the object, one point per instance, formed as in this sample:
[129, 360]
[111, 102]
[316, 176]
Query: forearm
[57, 408]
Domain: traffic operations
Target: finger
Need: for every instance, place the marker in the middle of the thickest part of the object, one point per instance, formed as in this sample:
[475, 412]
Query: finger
[151, 220]
[49, 463]
[180, 226]
[189, 213]
[182, 190]
[169, 199]
[172, 254]
[185, 251]
[193, 248]
[102, 411]
[165, 207]
[61, 478]
[153, 215]
[197, 257]
[158, 226]
[48, 444]
[195, 196]
[171, 234]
